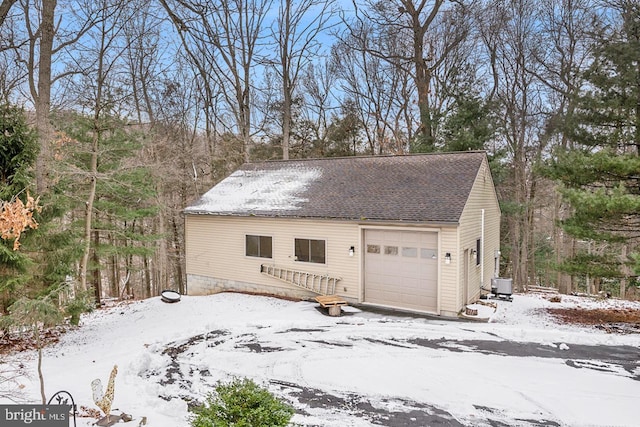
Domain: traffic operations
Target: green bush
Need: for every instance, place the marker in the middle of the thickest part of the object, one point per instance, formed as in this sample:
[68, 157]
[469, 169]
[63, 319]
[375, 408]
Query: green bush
[241, 403]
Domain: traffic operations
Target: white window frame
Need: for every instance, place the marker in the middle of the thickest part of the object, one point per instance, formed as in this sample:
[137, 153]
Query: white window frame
[324, 242]
[259, 236]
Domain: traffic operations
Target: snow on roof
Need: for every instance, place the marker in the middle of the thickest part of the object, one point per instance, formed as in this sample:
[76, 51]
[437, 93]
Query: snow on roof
[258, 190]
[416, 188]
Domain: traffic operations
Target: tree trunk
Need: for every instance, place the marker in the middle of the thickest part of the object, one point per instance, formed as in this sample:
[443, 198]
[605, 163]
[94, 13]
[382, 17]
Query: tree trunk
[40, 374]
[88, 216]
[161, 257]
[97, 277]
[43, 97]
[286, 79]
[286, 124]
[4, 9]
[423, 73]
[626, 270]
[423, 83]
[93, 165]
[562, 247]
[146, 292]
[177, 242]
[115, 276]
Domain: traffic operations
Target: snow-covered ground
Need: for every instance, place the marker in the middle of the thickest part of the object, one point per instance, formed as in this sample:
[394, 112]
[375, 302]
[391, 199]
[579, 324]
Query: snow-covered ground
[363, 368]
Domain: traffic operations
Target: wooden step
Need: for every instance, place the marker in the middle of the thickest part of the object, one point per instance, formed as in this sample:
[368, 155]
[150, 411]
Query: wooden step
[330, 300]
[332, 303]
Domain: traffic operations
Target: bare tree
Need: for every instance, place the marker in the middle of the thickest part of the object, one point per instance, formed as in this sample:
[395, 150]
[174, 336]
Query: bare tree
[180, 161]
[10, 76]
[224, 38]
[109, 199]
[566, 36]
[42, 93]
[296, 32]
[107, 31]
[374, 85]
[535, 51]
[429, 31]
[511, 33]
[143, 56]
[318, 91]
[41, 50]
[5, 6]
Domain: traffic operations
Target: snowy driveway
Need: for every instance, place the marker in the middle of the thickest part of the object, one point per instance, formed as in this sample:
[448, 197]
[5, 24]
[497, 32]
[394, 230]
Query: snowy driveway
[360, 369]
[304, 365]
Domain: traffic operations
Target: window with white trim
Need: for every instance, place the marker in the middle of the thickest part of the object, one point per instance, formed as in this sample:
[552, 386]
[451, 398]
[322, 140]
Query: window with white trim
[258, 246]
[310, 250]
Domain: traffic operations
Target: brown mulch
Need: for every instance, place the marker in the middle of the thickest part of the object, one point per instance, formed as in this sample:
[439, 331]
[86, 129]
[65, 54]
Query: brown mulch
[618, 320]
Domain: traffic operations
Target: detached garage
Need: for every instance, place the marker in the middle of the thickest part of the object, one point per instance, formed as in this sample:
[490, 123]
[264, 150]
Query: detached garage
[416, 233]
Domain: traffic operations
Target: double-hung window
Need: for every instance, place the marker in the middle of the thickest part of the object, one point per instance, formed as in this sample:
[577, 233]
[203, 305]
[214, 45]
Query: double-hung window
[310, 250]
[258, 246]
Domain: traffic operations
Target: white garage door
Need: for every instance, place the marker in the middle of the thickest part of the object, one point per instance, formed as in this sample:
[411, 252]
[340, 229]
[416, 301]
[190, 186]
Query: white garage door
[401, 269]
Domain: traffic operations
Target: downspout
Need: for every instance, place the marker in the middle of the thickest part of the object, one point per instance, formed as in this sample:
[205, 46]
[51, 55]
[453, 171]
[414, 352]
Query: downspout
[482, 249]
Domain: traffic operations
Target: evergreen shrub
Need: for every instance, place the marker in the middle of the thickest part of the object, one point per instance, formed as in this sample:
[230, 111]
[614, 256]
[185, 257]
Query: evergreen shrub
[241, 403]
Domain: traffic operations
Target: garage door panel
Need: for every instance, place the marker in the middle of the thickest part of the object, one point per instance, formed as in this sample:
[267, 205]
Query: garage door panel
[392, 281]
[411, 284]
[391, 262]
[408, 237]
[407, 299]
[402, 272]
[428, 265]
[430, 288]
[390, 236]
[369, 276]
[411, 270]
[428, 301]
[376, 268]
[431, 294]
[429, 240]
[375, 294]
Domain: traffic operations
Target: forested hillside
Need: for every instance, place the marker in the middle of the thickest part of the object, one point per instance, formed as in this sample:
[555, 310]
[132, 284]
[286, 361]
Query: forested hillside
[115, 115]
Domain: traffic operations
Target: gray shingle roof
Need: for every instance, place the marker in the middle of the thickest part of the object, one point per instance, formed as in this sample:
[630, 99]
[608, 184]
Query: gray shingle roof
[414, 188]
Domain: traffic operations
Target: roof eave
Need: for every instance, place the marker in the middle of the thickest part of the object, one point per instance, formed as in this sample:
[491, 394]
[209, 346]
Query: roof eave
[324, 218]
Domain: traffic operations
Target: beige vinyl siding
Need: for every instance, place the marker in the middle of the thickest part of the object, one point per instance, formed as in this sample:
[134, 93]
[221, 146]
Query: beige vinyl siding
[216, 248]
[483, 196]
[449, 277]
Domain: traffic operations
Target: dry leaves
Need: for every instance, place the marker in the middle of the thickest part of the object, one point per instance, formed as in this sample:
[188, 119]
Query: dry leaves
[16, 217]
[619, 320]
[15, 343]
